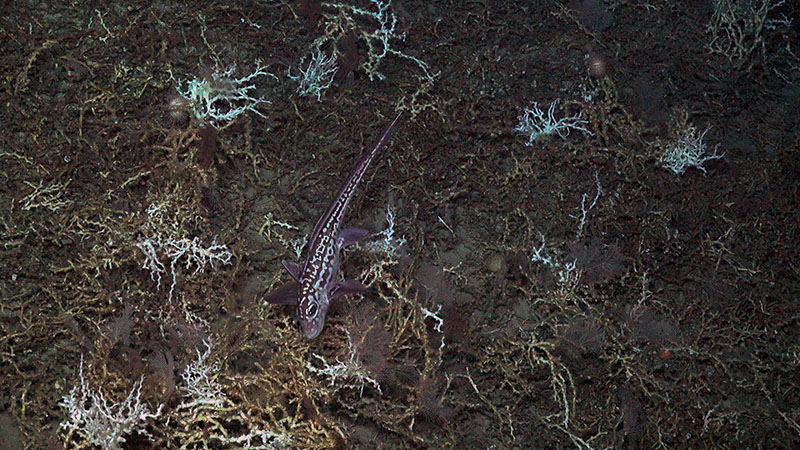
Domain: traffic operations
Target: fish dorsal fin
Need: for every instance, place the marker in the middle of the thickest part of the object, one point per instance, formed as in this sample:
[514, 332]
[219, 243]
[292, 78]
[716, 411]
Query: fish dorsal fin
[350, 236]
[293, 268]
[284, 295]
[348, 287]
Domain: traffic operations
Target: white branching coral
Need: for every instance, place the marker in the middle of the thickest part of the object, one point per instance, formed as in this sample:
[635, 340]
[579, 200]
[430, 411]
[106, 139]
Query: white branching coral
[200, 382]
[350, 374]
[376, 26]
[103, 423]
[192, 252]
[567, 272]
[387, 242]
[385, 249]
[687, 150]
[535, 123]
[317, 76]
[222, 98]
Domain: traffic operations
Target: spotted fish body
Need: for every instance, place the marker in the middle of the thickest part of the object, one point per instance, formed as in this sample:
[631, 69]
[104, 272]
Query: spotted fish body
[315, 284]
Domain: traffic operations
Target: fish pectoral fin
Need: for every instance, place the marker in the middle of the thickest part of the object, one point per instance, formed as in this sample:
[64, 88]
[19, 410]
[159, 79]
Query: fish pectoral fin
[348, 287]
[293, 269]
[350, 236]
[284, 295]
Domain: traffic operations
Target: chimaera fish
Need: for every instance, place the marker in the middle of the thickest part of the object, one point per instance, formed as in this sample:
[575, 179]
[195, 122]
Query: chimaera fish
[315, 284]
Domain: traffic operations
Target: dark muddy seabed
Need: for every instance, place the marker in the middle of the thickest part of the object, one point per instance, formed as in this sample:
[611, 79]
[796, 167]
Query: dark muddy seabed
[583, 232]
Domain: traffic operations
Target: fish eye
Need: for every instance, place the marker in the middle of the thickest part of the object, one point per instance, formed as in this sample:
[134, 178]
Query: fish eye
[311, 311]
